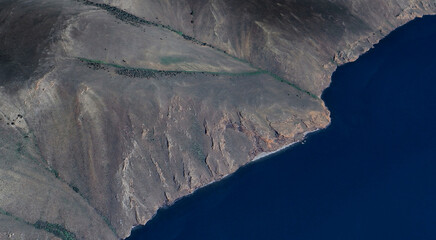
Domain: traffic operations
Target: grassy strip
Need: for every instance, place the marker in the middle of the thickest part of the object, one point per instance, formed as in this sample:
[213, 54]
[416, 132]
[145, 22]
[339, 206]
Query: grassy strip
[56, 229]
[292, 85]
[3, 212]
[147, 73]
[135, 20]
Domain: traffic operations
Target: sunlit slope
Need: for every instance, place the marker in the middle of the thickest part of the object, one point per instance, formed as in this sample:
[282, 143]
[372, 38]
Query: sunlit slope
[98, 35]
[33, 195]
[301, 41]
[109, 113]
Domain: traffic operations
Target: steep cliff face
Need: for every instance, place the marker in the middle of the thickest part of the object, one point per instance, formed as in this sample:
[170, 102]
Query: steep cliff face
[111, 110]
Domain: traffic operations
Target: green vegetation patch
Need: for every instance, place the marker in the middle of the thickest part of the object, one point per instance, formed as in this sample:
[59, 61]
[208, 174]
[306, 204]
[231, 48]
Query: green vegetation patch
[108, 223]
[56, 229]
[55, 173]
[292, 85]
[168, 60]
[3, 212]
[151, 73]
[6, 213]
[134, 20]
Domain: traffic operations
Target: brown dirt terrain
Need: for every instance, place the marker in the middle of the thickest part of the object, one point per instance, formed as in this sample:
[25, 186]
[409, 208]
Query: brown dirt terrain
[110, 110]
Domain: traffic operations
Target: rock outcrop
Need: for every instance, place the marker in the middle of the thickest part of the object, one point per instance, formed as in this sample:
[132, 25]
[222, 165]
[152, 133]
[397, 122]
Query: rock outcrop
[110, 110]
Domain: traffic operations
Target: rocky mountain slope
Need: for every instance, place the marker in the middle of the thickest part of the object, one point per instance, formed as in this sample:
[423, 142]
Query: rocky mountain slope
[112, 109]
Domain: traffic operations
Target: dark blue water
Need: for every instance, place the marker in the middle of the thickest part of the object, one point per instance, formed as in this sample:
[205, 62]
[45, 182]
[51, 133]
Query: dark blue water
[370, 175]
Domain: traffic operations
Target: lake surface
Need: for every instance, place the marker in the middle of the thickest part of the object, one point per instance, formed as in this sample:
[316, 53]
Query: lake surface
[370, 175]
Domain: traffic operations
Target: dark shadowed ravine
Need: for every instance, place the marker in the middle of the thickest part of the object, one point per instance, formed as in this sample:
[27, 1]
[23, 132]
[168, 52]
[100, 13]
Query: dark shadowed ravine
[370, 175]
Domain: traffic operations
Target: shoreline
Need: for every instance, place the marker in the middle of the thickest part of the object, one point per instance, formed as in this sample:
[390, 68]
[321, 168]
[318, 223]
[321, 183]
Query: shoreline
[264, 155]
[260, 156]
